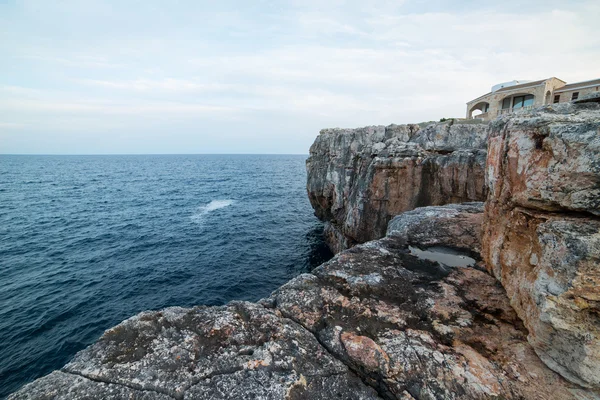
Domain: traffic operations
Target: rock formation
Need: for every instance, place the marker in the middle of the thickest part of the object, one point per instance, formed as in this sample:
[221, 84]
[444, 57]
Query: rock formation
[375, 322]
[358, 179]
[238, 351]
[542, 231]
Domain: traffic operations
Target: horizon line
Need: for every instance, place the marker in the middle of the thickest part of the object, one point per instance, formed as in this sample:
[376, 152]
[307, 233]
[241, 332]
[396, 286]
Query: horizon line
[154, 154]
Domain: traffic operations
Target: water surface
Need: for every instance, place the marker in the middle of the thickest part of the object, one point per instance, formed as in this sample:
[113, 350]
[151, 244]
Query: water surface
[87, 241]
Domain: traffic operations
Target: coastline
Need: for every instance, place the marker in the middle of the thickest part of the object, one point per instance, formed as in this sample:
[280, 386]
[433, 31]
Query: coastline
[377, 321]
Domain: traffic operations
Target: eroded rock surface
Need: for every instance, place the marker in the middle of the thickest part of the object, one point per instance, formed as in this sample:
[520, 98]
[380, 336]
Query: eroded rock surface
[542, 231]
[239, 351]
[358, 179]
[63, 386]
[413, 328]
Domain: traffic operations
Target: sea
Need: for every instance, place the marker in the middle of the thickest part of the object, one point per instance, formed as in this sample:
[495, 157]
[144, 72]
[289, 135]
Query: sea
[88, 241]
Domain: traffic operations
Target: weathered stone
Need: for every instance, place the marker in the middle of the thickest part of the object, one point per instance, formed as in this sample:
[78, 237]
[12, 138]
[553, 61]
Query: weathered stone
[273, 385]
[411, 327]
[550, 267]
[236, 351]
[63, 386]
[358, 179]
[335, 239]
[589, 98]
[542, 231]
[452, 136]
[547, 159]
[374, 322]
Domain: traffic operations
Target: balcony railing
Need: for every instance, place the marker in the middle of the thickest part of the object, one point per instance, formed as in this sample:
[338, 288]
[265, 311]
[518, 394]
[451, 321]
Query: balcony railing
[514, 110]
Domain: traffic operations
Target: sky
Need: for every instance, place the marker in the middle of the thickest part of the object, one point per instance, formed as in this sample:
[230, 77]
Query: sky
[160, 77]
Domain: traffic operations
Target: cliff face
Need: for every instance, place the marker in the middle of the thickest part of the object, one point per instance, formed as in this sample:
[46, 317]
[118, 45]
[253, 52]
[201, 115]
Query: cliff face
[542, 231]
[358, 179]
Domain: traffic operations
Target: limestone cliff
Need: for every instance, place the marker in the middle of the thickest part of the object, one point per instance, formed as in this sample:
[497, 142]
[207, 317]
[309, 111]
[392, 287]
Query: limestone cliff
[382, 320]
[358, 179]
[542, 231]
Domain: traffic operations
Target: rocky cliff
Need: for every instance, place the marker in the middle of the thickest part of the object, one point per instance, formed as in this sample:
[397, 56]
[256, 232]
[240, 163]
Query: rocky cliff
[460, 301]
[358, 179]
[542, 231]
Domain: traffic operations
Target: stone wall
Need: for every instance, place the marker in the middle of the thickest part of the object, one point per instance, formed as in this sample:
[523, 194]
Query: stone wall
[567, 95]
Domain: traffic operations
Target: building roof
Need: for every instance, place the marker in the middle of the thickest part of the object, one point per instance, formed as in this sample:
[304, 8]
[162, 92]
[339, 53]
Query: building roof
[522, 85]
[480, 97]
[572, 86]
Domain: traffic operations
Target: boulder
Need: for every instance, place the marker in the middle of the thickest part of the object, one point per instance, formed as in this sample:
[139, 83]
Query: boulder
[455, 226]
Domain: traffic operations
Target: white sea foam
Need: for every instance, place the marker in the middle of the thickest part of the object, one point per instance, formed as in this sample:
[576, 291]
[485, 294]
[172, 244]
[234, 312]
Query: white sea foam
[202, 211]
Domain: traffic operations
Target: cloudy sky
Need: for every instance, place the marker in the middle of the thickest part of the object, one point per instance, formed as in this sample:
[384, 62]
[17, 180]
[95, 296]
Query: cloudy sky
[179, 76]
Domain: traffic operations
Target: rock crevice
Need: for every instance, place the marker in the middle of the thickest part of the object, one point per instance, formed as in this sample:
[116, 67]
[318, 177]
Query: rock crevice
[125, 386]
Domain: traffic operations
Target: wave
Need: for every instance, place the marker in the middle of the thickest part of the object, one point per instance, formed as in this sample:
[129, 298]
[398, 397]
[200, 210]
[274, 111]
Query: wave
[202, 211]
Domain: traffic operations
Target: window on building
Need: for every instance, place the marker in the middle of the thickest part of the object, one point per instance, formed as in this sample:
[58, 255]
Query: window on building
[556, 98]
[522, 101]
[506, 103]
[575, 96]
[486, 108]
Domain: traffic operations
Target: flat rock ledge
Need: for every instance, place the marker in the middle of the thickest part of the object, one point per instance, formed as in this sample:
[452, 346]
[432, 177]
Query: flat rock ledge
[375, 322]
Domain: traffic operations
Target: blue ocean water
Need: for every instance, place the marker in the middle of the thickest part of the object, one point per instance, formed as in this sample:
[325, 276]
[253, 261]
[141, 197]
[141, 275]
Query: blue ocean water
[87, 241]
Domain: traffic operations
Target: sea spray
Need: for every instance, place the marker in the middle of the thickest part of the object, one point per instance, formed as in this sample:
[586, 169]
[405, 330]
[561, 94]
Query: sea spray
[200, 215]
